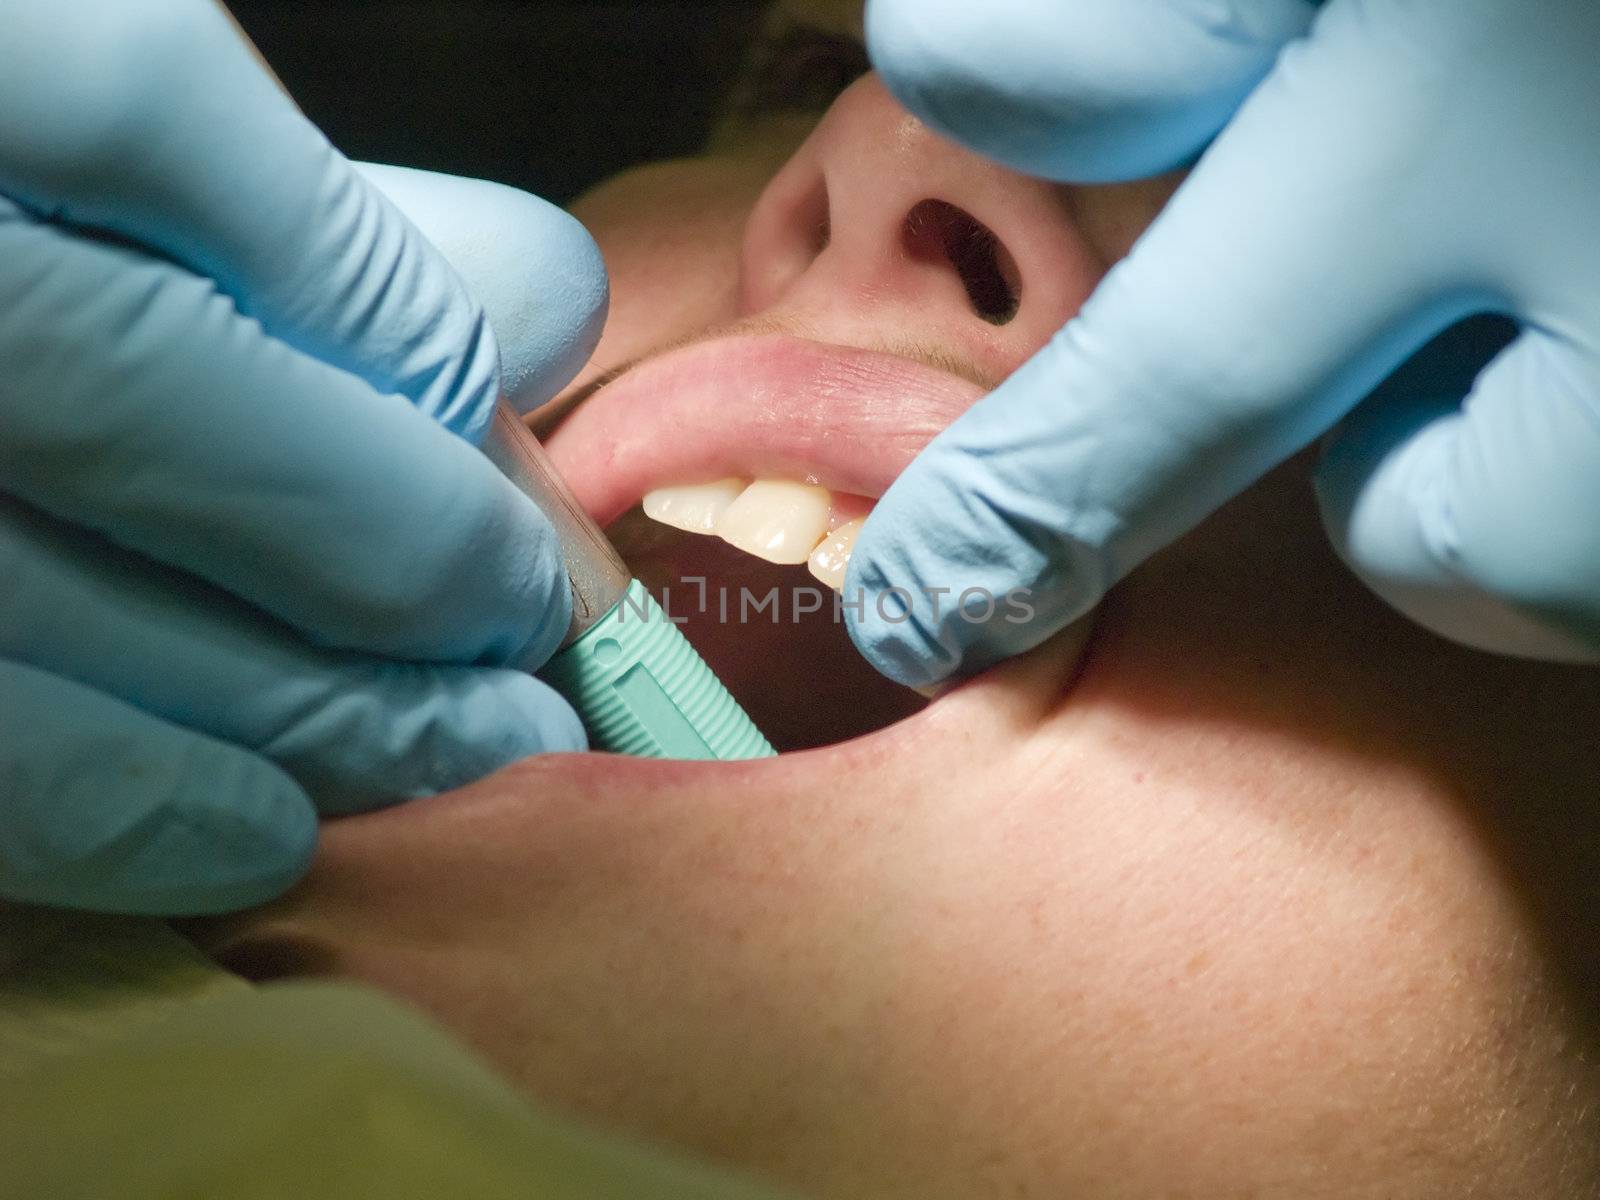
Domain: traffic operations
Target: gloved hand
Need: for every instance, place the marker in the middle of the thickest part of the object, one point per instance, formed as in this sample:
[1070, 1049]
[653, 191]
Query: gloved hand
[249, 556]
[1398, 166]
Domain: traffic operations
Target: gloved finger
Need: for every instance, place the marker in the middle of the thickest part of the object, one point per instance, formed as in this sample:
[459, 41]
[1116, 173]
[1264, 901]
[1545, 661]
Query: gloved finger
[137, 402]
[534, 268]
[1275, 290]
[355, 732]
[152, 119]
[108, 808]
[1082, 90]
[1477, 520]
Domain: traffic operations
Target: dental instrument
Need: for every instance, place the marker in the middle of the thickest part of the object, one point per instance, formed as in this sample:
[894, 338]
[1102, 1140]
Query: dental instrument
[637, 684]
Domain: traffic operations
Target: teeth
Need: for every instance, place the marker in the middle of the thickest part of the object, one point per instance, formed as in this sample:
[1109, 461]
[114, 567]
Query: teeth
[695, 508]
[776, 520]
[828, 561]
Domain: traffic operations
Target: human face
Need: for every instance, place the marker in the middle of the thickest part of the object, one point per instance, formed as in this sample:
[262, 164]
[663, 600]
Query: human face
[1253, 889]
[817, 325]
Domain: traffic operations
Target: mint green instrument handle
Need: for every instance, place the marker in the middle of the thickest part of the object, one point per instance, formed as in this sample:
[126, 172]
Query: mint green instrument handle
[642, 689]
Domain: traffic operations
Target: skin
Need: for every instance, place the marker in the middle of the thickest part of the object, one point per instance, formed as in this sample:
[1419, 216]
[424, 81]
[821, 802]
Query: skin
[1246, 888]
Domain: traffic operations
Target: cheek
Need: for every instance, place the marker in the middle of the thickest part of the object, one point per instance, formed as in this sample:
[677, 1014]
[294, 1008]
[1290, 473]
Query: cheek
[670, 236]
[1113, 216]
[1055, 966]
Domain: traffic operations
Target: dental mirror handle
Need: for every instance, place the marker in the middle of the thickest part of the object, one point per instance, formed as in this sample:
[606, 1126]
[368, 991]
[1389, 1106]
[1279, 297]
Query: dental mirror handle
[637, 684]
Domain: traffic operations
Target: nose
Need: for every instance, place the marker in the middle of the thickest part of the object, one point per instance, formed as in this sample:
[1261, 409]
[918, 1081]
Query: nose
[879, 230]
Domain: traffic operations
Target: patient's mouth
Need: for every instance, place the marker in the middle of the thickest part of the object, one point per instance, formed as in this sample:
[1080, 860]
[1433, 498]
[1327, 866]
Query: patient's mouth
[777, 446]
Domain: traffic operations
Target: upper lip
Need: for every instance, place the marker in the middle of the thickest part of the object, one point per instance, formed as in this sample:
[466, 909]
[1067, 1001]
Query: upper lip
[755, 406]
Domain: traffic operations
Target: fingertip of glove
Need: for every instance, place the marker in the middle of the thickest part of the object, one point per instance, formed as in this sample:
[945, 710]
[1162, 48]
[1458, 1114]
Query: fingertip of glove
[1094, 91]
[252, 848]
[512, 716]
[549, 724]
[477, 578]
[231, 852]
[550, 306]
[536, 271]
[915, 49]
[538, 274]
[552, 604]
[890, 634]
[896, 656]
[495, 718]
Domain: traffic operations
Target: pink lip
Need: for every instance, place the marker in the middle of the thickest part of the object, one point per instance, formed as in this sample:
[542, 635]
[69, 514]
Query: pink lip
[766, 405]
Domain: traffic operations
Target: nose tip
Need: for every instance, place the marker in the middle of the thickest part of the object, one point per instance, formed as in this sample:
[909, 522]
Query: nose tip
[877, 216]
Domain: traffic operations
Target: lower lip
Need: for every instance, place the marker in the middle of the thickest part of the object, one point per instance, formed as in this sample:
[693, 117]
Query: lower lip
[755, 406]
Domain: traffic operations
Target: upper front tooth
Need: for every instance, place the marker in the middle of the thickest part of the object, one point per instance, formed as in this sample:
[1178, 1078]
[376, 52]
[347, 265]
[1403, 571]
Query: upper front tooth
[694, 507]
[776, 520]
[829, 560]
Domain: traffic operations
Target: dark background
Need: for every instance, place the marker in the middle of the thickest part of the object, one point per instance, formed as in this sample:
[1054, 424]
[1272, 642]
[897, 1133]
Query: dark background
[547, 96]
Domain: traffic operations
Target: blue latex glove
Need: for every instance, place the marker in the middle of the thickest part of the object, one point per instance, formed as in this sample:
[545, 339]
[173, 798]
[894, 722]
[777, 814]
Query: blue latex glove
[1398, 165]
[249, 557]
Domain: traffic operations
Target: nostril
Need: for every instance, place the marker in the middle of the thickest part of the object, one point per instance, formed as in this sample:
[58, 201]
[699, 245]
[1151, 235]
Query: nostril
[939, 231]
[787, 230]
[814, 220]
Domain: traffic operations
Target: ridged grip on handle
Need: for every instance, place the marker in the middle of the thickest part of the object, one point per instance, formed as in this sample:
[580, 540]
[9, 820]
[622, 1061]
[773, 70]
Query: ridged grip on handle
[642, 689]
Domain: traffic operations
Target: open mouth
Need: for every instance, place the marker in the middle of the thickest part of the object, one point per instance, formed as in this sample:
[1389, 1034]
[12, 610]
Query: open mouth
[732, 475]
